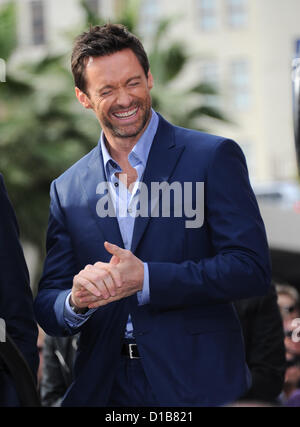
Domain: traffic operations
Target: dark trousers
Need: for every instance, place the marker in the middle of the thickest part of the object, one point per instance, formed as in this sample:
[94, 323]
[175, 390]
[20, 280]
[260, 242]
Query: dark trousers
[131, 387]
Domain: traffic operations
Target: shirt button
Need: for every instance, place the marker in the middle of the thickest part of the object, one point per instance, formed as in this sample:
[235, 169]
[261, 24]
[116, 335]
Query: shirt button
[116, 184]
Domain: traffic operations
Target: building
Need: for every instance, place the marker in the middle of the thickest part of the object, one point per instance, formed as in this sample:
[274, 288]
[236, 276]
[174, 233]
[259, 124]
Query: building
[246, 47]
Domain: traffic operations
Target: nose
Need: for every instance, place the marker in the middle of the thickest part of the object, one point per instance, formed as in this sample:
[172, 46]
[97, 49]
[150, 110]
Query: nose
[124, 100]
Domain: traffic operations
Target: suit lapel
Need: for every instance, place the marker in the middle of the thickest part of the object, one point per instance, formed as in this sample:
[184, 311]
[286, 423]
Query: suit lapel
[91, 178]
[163, 157]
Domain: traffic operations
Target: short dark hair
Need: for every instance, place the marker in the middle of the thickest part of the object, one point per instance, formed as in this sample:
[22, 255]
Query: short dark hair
[101, 41]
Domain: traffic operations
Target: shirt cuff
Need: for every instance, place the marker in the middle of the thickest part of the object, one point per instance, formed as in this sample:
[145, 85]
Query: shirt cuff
[74, 320]
[143, 296]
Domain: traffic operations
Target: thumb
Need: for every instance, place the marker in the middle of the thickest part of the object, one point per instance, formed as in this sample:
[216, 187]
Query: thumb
[114, 250]
[114, 260]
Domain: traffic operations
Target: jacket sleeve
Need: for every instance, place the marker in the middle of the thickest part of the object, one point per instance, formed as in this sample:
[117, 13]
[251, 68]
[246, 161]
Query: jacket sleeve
[240, 267]
[16, 302]
[59, 270]
[264, 341]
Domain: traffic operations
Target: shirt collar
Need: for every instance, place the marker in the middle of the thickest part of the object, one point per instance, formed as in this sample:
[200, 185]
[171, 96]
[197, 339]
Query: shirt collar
[140, 151]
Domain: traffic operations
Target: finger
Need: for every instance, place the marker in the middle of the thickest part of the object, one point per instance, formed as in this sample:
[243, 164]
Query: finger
[120, 295]
[89, 299]
[87, 284]
[101, 303]
[110, 284]
[114, 260]
[96, 278]
[113, 271]
[115, 250]
[85, 294]
[98, 304]
[82, 294]
[106, 277]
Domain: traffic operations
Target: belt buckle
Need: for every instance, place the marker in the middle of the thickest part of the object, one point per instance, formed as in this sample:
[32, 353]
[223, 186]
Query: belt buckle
[131, 356]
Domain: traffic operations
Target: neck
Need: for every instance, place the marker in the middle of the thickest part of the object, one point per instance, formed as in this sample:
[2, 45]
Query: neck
[120, 148]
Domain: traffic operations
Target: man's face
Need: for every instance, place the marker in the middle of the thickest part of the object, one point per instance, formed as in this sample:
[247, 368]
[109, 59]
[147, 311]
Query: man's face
[119, 93]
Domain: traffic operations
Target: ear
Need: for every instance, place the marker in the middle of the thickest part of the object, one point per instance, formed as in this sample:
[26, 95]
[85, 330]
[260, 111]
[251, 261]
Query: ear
[150, 80]
[82, 98]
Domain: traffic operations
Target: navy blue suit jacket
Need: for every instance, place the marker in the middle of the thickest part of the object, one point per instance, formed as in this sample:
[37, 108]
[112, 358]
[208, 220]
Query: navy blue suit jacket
[188, 335]
[16, 302]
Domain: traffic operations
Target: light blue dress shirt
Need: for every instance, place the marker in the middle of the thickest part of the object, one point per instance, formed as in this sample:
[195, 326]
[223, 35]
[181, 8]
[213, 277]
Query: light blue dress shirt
[125, 206]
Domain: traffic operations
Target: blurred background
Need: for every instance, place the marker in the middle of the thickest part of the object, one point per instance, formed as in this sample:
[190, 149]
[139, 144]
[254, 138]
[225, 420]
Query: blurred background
[222, 66]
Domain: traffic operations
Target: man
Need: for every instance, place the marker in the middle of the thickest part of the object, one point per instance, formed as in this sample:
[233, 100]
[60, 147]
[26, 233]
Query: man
[264, 346]
[288, 301]
[16, 304]
[151, 296]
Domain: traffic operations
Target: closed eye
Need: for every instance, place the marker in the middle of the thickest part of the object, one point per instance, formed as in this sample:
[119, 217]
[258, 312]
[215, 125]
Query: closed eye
[105, 93]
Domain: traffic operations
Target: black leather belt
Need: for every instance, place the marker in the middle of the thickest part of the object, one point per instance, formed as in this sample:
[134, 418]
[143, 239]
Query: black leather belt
[130, 350]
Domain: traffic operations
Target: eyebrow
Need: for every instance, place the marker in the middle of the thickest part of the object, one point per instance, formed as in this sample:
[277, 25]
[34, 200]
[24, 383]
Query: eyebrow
[127, 81]
[134, 78]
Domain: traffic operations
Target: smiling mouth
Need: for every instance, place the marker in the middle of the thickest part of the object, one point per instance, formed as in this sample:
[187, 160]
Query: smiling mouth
[126, 114]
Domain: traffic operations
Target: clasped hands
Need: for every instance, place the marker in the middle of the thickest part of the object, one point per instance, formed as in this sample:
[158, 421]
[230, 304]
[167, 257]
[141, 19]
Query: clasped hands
[102, 283]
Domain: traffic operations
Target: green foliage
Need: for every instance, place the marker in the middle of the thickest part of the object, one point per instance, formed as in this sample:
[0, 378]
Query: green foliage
[43, 131]
[90, 17]
[8, 38]
[129, 15]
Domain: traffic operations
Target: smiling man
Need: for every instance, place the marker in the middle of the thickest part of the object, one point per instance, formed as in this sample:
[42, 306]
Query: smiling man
[151, 298]
[123, 80]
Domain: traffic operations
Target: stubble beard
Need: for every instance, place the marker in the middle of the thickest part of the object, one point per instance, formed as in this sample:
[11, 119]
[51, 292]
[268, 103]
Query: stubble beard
[119, 132]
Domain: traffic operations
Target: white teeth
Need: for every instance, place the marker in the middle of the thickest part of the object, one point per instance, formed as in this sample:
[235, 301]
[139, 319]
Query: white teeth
[127, 114]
